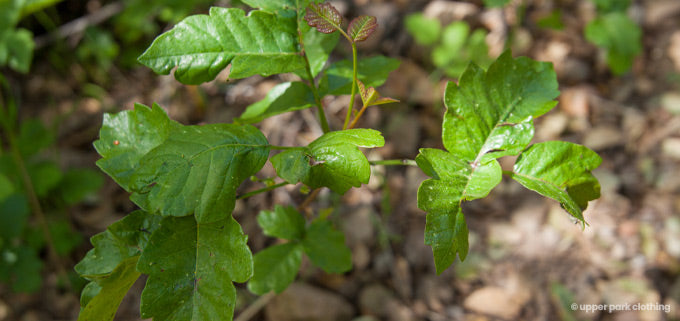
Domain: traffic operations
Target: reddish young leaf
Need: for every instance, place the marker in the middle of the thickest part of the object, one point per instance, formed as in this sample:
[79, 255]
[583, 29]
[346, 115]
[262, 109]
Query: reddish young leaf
[362, 27]
[324, 17]
[371, 97]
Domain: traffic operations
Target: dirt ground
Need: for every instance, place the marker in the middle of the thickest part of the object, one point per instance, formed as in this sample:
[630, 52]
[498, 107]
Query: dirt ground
[527, 261]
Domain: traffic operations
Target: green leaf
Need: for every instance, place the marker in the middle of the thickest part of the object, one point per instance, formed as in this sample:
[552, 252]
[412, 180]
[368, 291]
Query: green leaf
[458, 48]
[447, 234]
[89, 292]
[31, 6]
[6, 187]
[606, 6]
[64, 238]
[495, 3]
[191, 268]
[45, 176]
[197, 170]
[76, 184]
[425, 31]
[326, 247]
[561, 171]
[337, 79]
[273, 6]
[127, 136]
[122, 240]
[9, 13]
[371, 97]
[361, 27]
[276, 268]
[285, 97]
[15, 212]
[619, 36]
[324, 17]
[201, 46]
[112, 290]
[283, 222]
[21, 268]
[318, 47]
[19, 45]
[337, 162]
[489, 113]
[33, 137]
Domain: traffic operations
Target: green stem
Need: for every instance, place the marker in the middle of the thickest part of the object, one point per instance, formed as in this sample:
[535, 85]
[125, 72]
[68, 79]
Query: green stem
[388, 162]
[508, 173]
[262, 190]
[354, 86]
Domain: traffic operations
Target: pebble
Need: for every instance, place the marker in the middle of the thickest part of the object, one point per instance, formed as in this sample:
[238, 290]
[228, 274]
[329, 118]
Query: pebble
[375, 299]
[671, 237]
[602, 137]
[574, 101]
[670, 101]
[671, 147]
[493, 301]
[674, 50]
[306, 302]
[4, 310]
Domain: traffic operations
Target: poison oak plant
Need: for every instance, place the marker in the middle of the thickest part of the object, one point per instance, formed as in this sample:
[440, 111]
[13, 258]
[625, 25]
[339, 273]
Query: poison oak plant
[185, 178]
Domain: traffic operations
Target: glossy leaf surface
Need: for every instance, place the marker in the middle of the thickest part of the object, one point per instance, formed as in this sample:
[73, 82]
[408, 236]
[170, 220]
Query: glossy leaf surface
[561, 171]
[201, 46]
[111, 291]
[197, 170]
[127, 136]
[333, 160]
[191, 268]
[284, 97]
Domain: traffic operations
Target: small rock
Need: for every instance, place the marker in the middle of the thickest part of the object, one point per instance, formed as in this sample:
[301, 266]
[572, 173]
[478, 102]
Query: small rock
[4, 310]
[659, 11]
[574, 101]
[358, 226]
[400, 312]
[634, 125]
[365, 318]
[401, 274]
[361, 256]
[671, 147]
[671, 101]
[672, 237]
[303, 302]
[375, 299]
[609, 182]
[449, 11]
[493, 301]
[674, 50]
[551, 126]
[602, 137]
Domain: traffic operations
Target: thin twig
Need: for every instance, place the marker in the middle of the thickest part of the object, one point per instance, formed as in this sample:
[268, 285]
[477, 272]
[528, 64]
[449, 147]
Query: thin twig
[79, 25]
[254, 308]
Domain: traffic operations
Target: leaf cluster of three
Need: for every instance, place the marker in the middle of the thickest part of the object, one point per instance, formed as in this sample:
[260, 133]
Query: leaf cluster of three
[185, 177]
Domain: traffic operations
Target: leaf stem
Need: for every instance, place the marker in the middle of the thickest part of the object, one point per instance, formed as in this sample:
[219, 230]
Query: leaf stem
[356, 118]
[262, 190]
[508, 173]
[354, 85]
[388, 162]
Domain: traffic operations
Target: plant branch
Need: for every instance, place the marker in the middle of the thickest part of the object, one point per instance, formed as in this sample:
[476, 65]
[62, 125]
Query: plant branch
[388, 162]
[79, 25]
[508, 173]
[302, 208]
[312, 85]
[254, 308]
[356, 118]
[262, 190]
[354, 85]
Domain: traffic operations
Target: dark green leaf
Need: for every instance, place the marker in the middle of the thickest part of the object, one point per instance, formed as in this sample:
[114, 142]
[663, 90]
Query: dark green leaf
[19, 45]
[31, 6]
[191, 268]
[561, 171]
[20, 267]
[318, 47]
[425, 31]
[201, 46]
[274, 6]
[111, 291]
[276, 268]
[326, 247]
[619, 36]
[45, 176]
[122, 240]
[606, 6]
[33, 137]
[6, 187]
[89, 292]
[76, 184]
[338, 163]
[64, 238]
[361, 27]
[127, 136]
[285, 97]
[496, 3]
[373, 72]
[324, 17]
[446, 232]
[284, 222]
[489, 113]
[197, 170]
